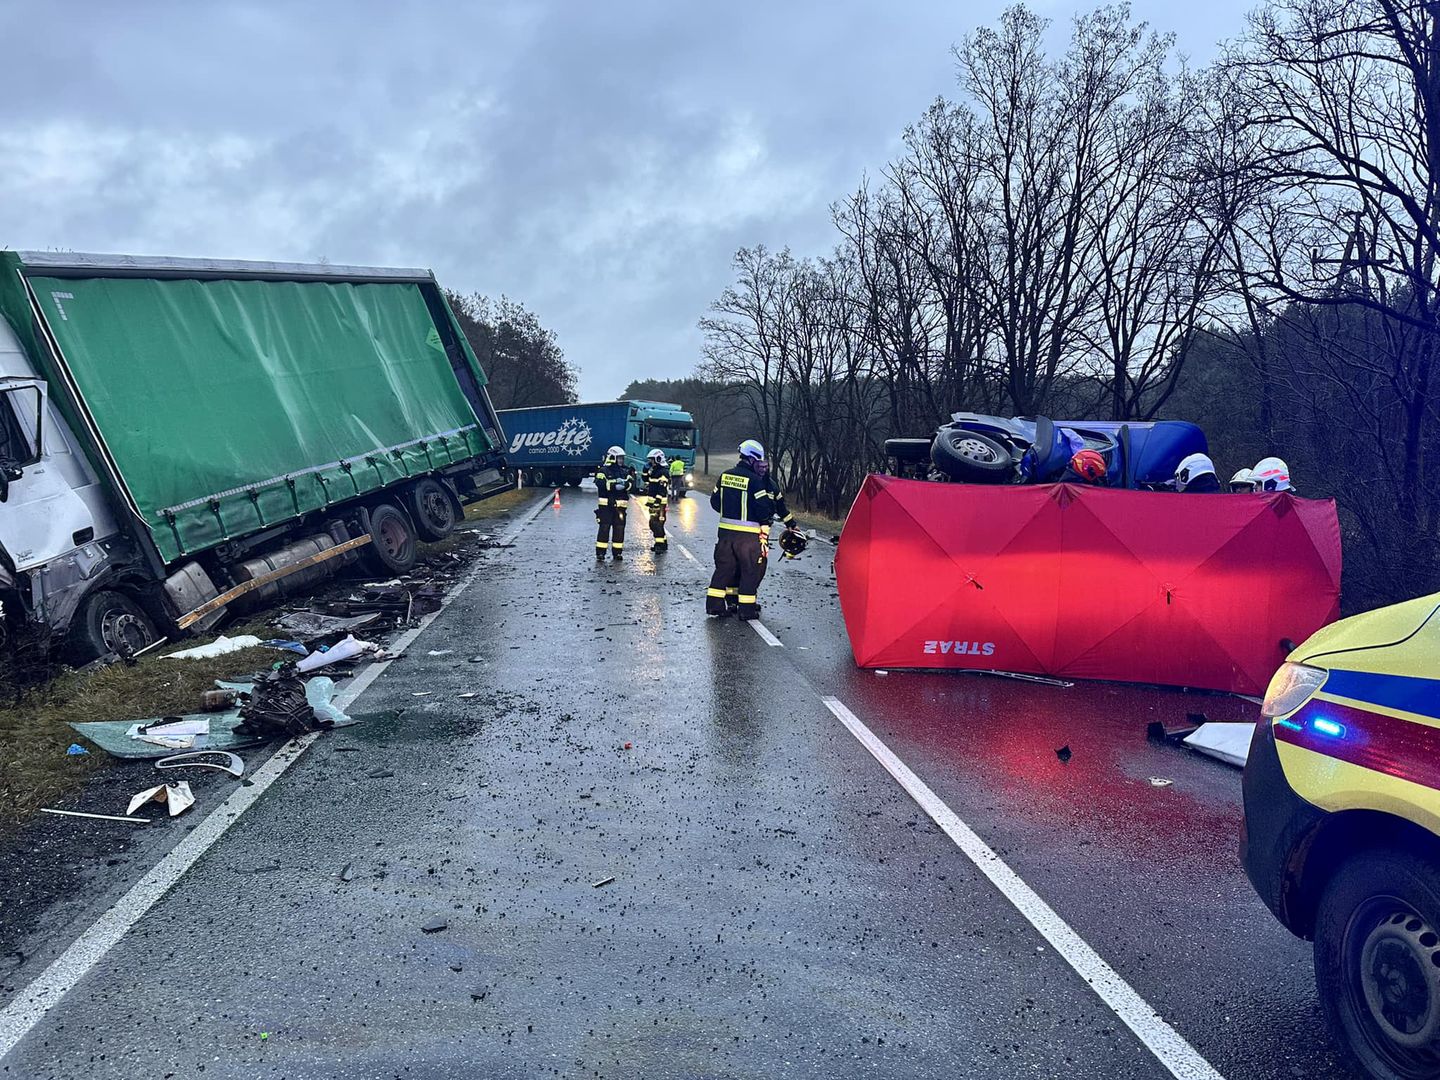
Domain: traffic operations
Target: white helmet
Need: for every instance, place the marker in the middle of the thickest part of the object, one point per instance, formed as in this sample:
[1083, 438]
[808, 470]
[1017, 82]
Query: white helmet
[657, 455]
[615, 454]
[1191, 469]
[1271, 474]
[752, 449]
[1243, 480]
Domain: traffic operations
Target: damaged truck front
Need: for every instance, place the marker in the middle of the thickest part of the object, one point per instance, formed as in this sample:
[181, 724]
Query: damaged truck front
[181, 438]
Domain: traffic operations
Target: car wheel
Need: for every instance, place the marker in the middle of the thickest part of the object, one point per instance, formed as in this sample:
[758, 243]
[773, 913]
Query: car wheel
[109, 622]
[969, 455]
[435, 516]
[1377, 963]
[393, 547]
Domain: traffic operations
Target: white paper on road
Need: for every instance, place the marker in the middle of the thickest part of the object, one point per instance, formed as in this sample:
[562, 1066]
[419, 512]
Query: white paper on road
[177, 798]
[1226, 742]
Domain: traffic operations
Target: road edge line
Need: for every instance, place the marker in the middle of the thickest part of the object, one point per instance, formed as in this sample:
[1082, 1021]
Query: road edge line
[30, 1004]
[1169, 1047]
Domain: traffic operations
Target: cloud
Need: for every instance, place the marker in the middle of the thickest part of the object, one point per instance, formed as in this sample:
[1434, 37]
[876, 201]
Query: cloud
[600, 162]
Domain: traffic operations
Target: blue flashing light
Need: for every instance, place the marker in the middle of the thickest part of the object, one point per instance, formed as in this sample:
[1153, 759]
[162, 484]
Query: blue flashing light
[1328, 727]
[1291, 724]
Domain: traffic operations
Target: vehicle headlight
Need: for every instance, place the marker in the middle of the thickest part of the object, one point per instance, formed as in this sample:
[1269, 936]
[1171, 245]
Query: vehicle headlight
[689, 478]
[1292, 686]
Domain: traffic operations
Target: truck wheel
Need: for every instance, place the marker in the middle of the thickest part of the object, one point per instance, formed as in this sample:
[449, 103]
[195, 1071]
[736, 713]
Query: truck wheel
[538, 478]
[435, 516]
[108, 622]
[393, 548]
[969, 455]
[1377, 963]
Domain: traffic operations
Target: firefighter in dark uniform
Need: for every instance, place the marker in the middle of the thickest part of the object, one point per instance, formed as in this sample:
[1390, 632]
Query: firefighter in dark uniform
[748, 500]
[655, 483]
[614, 481]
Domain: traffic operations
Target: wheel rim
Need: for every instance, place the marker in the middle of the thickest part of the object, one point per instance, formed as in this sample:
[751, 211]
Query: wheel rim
[975, 450]
[394, 538]
[122, 631]
[437, 509]
[1393, 955]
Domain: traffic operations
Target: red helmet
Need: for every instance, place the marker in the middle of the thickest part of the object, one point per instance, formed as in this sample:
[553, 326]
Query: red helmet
[1089, 465]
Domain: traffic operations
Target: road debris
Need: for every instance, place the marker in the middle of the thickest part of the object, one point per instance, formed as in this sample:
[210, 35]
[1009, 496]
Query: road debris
[176, 798]
[347, 872]
[96, 817]
[1064, 753]
[219, 700]
[221, 646]
[434, 924]
[171, 732]
[601, 883]
[347, 649]
[1227, 742]
[1160, 781]
[309, 625]
[75, 750]
[1159, 731]
[282, 705]
[205, 759]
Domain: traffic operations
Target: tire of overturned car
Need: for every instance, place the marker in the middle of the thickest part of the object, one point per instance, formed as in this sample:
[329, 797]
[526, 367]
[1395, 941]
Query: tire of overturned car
[970, 456]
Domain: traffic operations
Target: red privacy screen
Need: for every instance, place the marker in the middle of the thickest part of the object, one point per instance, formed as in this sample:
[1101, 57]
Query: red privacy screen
[1081, 582]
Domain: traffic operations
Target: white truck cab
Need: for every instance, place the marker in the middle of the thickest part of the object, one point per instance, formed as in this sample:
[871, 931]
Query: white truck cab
[52, 508]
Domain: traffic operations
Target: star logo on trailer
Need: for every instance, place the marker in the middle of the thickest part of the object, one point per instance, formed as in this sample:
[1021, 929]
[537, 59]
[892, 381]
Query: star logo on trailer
[576, 436]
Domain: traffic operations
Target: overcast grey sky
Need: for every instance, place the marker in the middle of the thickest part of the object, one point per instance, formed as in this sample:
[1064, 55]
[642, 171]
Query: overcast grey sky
[600, 161]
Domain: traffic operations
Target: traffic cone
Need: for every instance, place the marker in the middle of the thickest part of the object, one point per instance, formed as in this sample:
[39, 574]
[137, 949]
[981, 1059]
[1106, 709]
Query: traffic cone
[555, 502]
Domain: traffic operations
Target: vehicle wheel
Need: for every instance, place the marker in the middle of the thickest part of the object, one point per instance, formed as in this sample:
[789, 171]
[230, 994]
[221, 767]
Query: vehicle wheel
[435, 515]
[1377, 963]
[538, 478]
[392, 548]
[969, 455]
[908, 451]
[109, 622]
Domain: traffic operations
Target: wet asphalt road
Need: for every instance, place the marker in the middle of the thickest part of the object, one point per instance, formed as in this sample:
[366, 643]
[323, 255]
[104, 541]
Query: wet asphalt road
[779, 906]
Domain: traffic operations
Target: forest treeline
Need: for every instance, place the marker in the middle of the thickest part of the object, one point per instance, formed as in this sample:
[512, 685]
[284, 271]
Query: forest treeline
[1106, 233]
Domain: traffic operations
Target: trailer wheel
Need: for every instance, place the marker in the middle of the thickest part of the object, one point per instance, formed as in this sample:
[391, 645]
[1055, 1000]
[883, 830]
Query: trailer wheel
[435, 515]
[393, 547]
[538, 478]
[109, 622]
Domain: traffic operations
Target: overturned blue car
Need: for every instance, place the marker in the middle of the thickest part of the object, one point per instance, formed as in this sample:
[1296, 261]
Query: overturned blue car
[978, 448]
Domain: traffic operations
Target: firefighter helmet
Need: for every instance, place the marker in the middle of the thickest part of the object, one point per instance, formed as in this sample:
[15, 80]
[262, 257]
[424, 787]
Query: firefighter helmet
[793, 543]
[657, 455]
[615, 455]
[752, 449]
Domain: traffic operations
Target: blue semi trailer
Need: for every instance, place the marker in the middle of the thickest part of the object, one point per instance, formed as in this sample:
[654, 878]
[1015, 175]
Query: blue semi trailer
[562, 444]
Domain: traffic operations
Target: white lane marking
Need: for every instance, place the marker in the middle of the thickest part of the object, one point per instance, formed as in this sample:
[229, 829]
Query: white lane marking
[29, 1006]
[1162, 1040]
[765, 635]
[685, 551]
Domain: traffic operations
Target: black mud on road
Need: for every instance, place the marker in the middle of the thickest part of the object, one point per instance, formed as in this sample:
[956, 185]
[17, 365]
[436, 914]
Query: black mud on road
[598, 835]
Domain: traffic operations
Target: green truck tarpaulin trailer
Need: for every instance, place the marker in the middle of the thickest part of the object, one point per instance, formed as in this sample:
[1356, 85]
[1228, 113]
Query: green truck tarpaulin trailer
[225, 398]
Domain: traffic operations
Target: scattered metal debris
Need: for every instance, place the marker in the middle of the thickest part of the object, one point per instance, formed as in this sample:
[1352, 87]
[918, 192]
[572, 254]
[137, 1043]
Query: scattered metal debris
[1159, 731]
[434, 924]
[96, 817]
[308, 625]
[602, 882]
[279, 707]
[1160, 781]
[205, 759]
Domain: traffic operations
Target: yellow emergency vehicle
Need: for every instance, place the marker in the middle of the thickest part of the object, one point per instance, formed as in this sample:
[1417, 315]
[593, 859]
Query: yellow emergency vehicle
[1342, 827]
